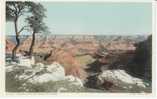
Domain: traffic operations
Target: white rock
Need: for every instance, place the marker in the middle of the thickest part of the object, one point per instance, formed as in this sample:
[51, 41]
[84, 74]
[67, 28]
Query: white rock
[70, 78]
[137, 80]
[45, 78]
[123, 76]
[147, 84]
[9, 68]
[39, 67]
[118, 77]
[141, 84]
[22, 77]
[25, 61]
[74, 80]
[56, 73]
[56, 69]
[32, 60]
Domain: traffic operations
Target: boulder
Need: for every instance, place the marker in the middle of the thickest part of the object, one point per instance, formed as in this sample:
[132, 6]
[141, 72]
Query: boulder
[38, 67]
[42, 74]
[74, 80]
[119, 77]
[26, 61]
[56, 68]
[46, 77]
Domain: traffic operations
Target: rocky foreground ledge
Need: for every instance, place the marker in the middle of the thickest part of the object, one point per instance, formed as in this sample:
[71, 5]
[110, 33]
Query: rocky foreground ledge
[40, 78]
[28, 76]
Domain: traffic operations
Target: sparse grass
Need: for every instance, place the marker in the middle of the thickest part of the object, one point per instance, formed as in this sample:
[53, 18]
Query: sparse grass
[13, 84]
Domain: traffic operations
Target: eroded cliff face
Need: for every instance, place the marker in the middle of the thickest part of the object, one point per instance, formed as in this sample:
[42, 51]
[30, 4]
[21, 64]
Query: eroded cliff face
[142, 62]
[9, 46]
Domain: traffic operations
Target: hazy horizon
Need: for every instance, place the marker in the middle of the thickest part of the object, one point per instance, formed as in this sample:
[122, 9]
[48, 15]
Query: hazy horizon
[94, 19]
[82, 35]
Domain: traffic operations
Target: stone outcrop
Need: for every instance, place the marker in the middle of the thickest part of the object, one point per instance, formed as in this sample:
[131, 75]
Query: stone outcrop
[26, 61]
[40, 74]
[113, 79]
[117, 77]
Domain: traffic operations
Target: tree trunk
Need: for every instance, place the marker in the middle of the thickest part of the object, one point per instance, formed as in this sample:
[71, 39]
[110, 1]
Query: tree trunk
[17, 41]
[32, 44]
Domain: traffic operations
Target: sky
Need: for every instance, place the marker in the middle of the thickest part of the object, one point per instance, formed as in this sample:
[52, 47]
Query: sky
[95, 18]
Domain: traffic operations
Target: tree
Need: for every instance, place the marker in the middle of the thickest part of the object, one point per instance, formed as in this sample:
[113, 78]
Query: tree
[36, 22]
[14, 10]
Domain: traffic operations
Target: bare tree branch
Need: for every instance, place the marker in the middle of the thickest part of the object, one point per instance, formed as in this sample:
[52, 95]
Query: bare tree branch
[16, 11]
[23, 28]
